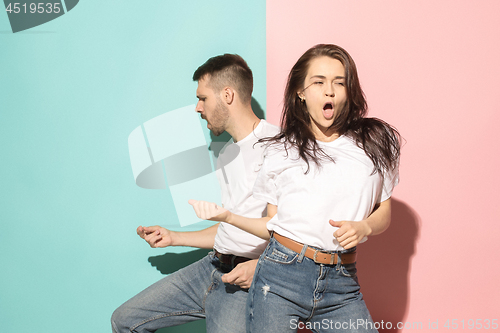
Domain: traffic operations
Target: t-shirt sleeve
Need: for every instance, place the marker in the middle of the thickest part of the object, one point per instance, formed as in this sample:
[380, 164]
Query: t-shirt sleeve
[265, 186]
[391, 179]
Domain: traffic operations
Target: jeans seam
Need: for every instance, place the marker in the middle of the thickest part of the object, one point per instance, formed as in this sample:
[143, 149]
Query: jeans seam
[251, 295]
[132, 329]
[315, 301]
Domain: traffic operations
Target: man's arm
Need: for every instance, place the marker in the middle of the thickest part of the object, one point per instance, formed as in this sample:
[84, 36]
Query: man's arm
[350, 233]
[157, 236]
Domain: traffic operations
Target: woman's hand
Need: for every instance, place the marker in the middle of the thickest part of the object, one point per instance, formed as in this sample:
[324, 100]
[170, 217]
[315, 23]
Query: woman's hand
[209, 211]
[350, 233]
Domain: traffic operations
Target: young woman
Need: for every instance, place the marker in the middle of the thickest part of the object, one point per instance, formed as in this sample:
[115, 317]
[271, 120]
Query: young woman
[327, 177]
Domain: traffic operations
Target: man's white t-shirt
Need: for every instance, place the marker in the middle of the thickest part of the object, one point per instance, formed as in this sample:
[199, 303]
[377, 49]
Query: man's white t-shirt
[237, 168]
[343, 190]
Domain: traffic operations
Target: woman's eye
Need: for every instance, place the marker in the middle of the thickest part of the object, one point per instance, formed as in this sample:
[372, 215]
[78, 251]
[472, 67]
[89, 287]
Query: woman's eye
[318, 82]
[340, 83]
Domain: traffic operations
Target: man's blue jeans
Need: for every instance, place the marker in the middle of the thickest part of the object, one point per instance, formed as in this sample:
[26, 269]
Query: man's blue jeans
[291, 291]
[192, 293]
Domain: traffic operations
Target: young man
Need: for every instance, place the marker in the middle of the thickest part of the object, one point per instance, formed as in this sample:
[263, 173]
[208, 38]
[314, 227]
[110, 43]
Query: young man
[215, 287]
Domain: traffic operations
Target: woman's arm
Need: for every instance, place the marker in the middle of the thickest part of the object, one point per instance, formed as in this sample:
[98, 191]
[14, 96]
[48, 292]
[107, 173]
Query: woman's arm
[256, 226]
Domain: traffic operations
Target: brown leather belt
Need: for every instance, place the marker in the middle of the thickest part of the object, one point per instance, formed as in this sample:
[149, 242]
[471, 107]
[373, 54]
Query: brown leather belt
[230, 259]
[316, 255]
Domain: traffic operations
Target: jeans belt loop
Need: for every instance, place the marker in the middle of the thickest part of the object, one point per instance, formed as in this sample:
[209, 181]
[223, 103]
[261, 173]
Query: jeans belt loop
[302, 253]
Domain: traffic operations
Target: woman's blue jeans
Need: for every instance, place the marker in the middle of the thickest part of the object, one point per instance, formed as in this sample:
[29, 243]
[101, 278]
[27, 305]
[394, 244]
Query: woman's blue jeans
[291, 291]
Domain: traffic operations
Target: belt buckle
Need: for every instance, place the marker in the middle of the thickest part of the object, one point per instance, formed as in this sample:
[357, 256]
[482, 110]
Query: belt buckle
[315, 256]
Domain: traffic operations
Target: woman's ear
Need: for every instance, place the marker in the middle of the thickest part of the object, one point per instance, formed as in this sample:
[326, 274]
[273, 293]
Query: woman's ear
[300, 95]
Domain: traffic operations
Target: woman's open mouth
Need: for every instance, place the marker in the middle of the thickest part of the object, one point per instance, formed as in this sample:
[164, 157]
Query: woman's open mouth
[328, 110]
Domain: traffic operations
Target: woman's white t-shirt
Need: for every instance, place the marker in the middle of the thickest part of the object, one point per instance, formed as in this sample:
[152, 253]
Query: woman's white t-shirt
[343, 190]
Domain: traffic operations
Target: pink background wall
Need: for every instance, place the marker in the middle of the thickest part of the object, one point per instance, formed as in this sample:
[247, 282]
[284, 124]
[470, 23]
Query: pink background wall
[432, 69]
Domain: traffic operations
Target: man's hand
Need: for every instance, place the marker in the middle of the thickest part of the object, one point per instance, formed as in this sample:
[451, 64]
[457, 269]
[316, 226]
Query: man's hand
[350, 233]
[209, 211]
[156, 236]
[242, 274]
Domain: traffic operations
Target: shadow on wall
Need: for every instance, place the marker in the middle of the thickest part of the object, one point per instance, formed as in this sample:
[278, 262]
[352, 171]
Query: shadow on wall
[169, 263]
[257, 109]
[384, 267]
[197, 326]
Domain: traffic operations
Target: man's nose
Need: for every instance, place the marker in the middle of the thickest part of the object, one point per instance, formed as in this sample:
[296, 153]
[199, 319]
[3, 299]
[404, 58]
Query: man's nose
[199, 107]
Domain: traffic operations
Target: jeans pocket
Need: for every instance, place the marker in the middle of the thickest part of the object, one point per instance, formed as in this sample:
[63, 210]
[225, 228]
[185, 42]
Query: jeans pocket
[279, 254]
[348, 270]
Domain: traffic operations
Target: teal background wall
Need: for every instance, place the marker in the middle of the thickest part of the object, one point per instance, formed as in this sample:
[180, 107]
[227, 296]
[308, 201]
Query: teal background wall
[71, 91]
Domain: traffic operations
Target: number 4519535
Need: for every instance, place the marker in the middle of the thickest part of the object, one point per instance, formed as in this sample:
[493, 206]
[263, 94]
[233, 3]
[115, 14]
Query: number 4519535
[33, 8]
[471, 324]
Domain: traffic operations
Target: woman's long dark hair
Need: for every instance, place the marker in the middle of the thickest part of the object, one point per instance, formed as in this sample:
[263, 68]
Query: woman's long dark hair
[379, 140]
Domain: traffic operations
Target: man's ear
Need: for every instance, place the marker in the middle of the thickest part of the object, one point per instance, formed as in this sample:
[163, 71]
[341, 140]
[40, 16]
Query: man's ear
[228, 95]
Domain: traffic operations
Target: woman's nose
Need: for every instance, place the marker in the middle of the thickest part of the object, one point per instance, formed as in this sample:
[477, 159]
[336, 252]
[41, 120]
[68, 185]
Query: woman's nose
[329, 91]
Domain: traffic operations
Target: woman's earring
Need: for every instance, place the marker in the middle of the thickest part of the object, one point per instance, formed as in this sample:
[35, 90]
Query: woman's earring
[302, 99]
